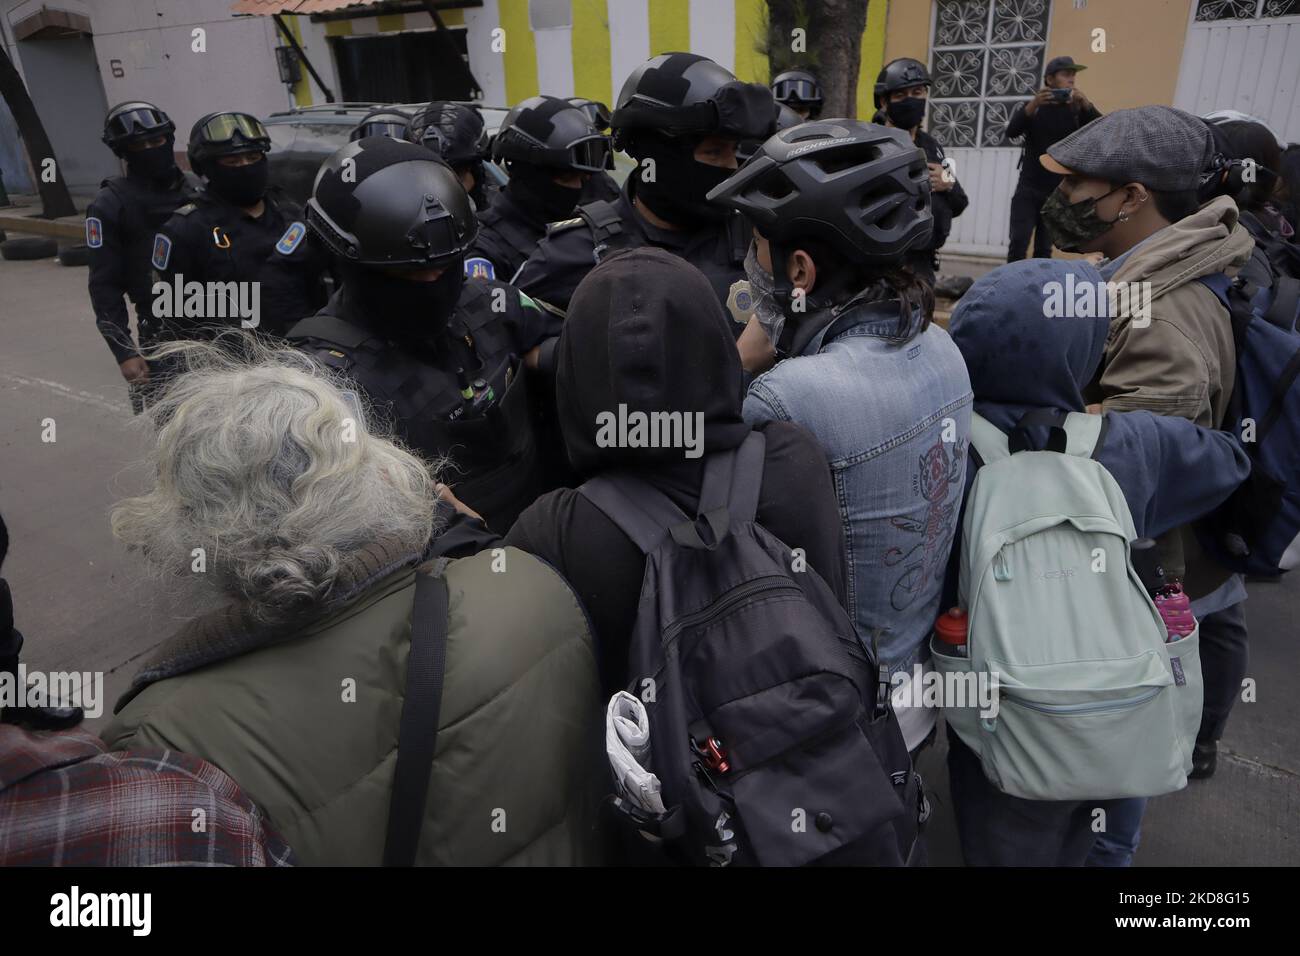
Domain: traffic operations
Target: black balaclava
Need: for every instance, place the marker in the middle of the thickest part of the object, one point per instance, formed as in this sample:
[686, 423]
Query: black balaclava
[156, 164]
[541, 198]
[405, 309]
[645, 330]
[680, 182]
[238, 185]
[907, 113]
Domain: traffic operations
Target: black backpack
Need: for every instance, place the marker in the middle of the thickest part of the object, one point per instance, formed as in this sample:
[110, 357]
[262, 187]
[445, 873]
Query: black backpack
[771, 729]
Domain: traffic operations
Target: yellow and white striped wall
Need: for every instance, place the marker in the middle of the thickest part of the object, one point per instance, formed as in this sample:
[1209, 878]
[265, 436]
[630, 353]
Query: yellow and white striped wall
[592, 56]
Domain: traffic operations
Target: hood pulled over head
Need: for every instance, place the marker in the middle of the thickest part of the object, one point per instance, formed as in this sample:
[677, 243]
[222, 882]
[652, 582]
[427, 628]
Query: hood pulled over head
[1032, 334]
[645, 331]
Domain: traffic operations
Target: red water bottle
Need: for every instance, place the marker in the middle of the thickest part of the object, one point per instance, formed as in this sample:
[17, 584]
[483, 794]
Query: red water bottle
[951, 630]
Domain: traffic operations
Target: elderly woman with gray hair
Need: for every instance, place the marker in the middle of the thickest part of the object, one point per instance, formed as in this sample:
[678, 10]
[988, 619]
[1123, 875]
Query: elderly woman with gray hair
[380, 707]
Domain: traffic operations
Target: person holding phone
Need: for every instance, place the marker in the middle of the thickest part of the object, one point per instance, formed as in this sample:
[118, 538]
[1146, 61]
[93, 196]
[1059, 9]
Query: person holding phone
[1057, 110]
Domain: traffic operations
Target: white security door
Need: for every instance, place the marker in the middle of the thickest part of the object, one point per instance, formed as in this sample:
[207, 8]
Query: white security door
[986, 58]
[1244, 55]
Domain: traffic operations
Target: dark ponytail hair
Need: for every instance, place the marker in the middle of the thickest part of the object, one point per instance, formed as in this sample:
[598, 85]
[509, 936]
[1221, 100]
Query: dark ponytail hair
[839, 280]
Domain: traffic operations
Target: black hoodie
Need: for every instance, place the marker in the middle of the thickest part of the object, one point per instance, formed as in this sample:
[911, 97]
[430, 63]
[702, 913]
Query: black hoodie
[644, 330]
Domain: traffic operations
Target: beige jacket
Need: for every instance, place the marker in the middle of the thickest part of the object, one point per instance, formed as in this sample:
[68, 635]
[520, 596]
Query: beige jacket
[1183, 363]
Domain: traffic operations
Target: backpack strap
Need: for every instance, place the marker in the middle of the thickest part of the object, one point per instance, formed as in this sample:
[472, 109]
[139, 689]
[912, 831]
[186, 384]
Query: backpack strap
[728, 494]
[733, 480]
[417, 736]
[1085, 433]
[640, 511]
[988, 440]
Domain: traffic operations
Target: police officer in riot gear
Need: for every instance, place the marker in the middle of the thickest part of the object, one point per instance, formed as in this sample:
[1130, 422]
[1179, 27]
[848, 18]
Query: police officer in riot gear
[457, 133]
[550, 149]
[236, 231]
[384, 122]
[786, 117]
[445, 355]
[120, 226]
[901, 93]
[799, 90]
[601, 185]
[680, 116]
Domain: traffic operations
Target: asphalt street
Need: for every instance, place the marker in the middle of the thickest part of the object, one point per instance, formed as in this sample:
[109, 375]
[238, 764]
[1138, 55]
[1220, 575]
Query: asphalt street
[84, 605]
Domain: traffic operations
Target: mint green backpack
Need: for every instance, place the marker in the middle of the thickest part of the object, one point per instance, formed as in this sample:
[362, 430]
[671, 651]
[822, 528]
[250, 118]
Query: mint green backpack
[1091, 702]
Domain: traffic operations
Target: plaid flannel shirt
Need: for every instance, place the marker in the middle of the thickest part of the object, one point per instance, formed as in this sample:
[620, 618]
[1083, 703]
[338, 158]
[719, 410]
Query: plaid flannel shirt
[65, 801]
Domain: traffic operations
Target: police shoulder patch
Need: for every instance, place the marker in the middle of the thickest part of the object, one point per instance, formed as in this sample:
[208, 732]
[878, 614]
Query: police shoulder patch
[94, 232]
[479, 268]
[291, 238]
[162, 251]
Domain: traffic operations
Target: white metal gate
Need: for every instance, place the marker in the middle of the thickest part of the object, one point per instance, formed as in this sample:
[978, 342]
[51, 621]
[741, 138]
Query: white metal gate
[1244, 55]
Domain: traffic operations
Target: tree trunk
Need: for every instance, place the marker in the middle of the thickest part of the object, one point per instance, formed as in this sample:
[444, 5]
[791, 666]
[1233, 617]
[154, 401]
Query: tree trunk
[833, 33]
[55, 198]
[835, 29]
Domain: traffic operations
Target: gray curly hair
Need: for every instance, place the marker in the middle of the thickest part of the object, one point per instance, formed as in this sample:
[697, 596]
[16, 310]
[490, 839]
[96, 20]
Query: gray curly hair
[261, 460]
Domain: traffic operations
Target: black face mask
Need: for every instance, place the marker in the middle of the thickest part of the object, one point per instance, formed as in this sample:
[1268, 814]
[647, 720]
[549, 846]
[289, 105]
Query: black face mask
[157, 163]
[239, 185]
[680, 183]
[406, 309]
[907, 113]
[543, 199]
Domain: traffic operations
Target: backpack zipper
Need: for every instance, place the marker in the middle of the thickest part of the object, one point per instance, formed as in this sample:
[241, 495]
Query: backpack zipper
[1096, 707]
[733, 597]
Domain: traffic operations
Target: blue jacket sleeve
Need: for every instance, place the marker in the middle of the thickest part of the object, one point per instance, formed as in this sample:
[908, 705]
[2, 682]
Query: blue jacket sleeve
[1170, 470]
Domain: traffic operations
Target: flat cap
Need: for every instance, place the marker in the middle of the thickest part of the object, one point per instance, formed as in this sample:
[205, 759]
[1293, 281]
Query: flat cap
[1157, 146]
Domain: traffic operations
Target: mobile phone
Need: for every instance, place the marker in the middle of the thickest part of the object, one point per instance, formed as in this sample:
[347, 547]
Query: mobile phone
[1061, 96]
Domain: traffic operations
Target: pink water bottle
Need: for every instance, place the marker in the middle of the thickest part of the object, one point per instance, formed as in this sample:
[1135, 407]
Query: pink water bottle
[1173, 604]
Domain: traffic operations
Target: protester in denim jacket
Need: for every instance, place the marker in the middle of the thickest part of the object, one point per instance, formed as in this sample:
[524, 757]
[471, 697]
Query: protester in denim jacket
[885, 393]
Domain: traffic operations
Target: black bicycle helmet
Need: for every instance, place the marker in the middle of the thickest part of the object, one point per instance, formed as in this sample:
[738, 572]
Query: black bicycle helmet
[798, 88]
[899, 75]
[385, 122]
[134, 122]
[225, 134]
[863, 189]
[454, 131]
[548, 131]
[682, 94]
[386, 202]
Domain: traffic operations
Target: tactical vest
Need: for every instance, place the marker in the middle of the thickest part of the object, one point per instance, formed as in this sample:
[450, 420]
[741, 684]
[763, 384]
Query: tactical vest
[612, 233]
[506, 240]
[144, 211]
[491, 442]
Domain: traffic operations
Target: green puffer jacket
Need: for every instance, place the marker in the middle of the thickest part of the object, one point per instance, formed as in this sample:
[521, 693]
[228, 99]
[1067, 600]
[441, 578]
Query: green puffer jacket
[306, 719]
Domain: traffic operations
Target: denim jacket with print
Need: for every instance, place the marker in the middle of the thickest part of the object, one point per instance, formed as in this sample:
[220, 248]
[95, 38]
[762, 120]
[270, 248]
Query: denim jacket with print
[892, 412]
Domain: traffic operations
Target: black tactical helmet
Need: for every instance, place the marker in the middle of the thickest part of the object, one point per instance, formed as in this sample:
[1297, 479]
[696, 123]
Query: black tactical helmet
[596, 111]
[549, 131]
[861, 188]
[225, 134]
[799, 88]
[683, 94]
[385, 202]
[899, 75]
[454, 131]
[384, 122]
[132, 122]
